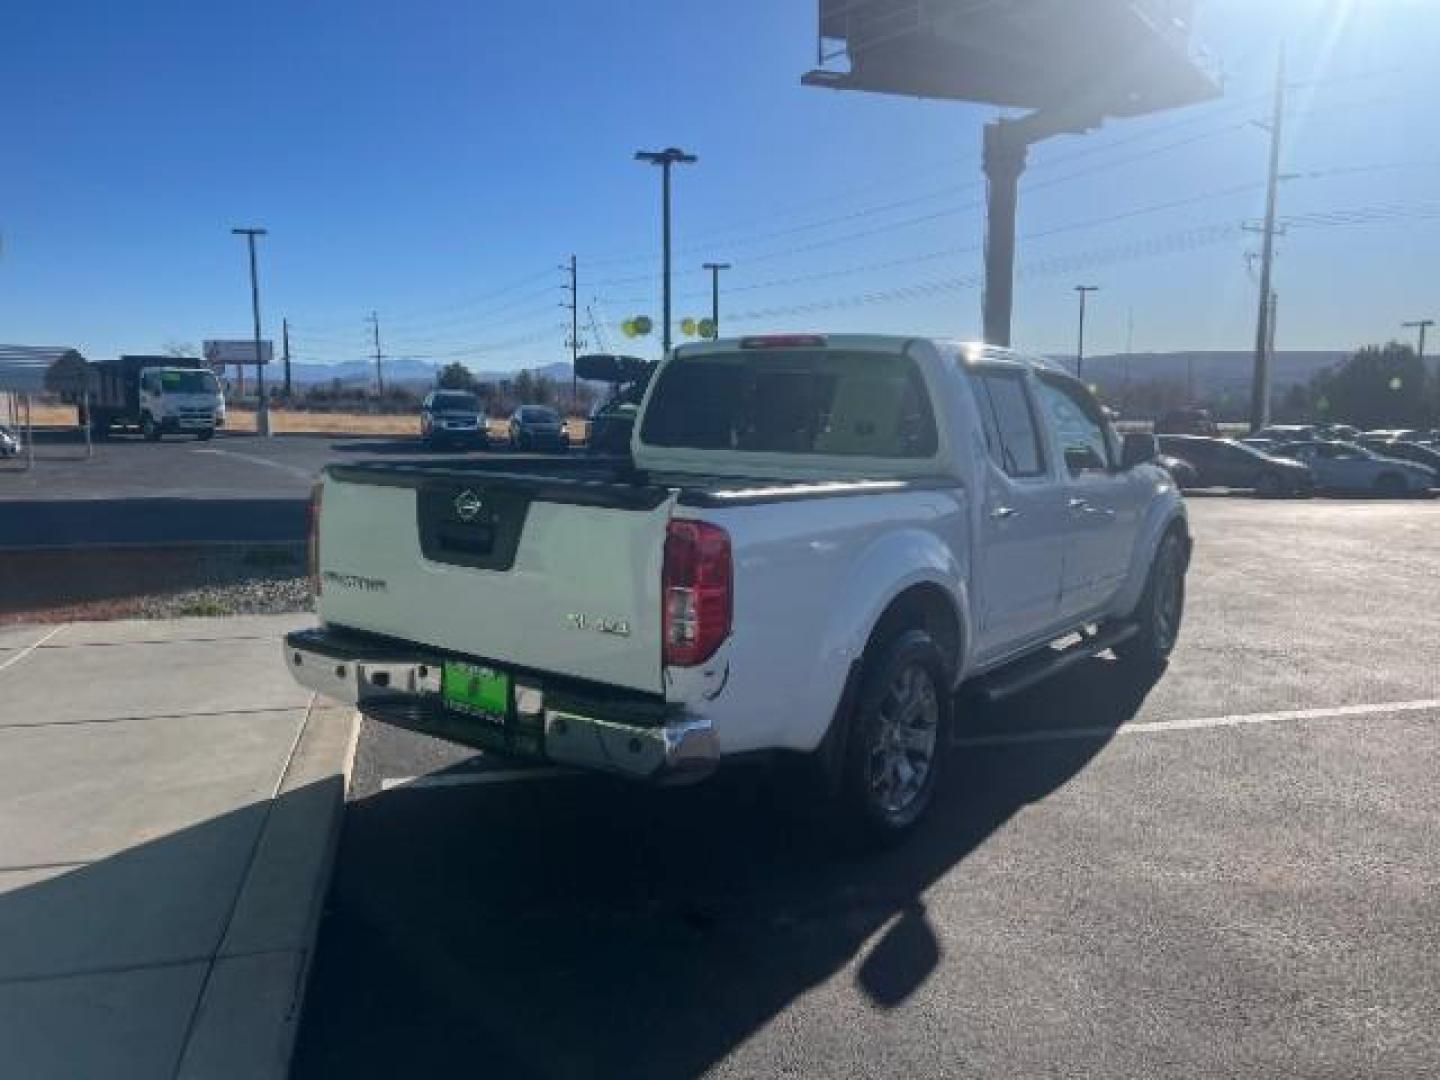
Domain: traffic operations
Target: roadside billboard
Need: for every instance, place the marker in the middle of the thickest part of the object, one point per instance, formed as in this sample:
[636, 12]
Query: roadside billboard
[222, 353]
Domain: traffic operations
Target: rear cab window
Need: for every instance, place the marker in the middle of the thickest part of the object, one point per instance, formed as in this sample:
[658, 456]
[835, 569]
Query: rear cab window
[824, 402]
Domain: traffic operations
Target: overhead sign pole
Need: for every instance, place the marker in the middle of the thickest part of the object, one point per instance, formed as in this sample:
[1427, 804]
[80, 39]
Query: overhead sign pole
[1136, 61]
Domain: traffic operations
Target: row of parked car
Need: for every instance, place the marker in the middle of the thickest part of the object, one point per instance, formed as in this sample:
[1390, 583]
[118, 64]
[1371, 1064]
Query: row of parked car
[456, 418]
[1300, 460]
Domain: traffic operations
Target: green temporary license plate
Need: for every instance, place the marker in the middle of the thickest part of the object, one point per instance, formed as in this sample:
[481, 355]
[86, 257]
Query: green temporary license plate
[479, 691]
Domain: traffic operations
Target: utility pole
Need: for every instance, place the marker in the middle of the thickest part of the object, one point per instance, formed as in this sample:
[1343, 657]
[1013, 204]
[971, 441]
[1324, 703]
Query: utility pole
[715, 269]
[665, 159]
[379, 371]
[1421, 325]
[1084, 291]
[262, 410]
[574, 342]
[1274, 316]
[1129, 349]
[1260, 385]
[285, 344]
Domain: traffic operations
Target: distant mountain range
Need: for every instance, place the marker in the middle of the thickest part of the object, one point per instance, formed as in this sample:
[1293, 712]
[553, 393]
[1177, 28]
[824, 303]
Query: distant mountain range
[403, 371]
[1209, 373]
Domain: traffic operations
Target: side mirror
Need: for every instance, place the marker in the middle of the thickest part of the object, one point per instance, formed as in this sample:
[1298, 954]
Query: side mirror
[1138, 450]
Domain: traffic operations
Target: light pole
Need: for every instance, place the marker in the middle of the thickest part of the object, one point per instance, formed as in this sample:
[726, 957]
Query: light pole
[1421, 325]
[1084, 291]
[262, 411]
[715, 269]
[665, 158]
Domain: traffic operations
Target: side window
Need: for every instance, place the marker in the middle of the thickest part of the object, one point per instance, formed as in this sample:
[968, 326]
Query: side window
[1078, 426]
[1186, 449]
[1011, 434]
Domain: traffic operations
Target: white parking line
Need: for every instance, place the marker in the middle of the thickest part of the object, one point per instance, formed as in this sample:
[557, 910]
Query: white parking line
[293, 470]
[497, 776]
[1154, 727]
[30, 648]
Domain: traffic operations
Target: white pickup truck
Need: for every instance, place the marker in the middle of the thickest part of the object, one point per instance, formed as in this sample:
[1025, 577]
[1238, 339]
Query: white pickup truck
[813, 545]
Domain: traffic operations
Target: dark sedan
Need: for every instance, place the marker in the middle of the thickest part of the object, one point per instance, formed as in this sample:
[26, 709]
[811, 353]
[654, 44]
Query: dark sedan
[1230, 464]
[535, 427]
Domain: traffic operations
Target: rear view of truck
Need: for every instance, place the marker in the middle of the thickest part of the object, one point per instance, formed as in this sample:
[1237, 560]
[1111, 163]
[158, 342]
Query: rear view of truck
[582, 611]
[515, 612]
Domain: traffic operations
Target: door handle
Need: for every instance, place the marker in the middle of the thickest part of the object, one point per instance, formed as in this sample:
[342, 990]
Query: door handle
[1002, 513]
[1079, 505]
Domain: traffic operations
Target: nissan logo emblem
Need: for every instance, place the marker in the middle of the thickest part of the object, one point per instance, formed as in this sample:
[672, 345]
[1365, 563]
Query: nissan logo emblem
[468, 505]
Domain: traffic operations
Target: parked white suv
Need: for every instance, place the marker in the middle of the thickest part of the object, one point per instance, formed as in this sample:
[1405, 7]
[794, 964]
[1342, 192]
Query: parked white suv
[819, 540]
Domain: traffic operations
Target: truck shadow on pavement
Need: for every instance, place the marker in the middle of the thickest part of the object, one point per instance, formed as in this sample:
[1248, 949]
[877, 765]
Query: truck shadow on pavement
[582, 927]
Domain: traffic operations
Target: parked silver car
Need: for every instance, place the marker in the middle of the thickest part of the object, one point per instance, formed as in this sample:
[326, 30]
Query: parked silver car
[1345, 467]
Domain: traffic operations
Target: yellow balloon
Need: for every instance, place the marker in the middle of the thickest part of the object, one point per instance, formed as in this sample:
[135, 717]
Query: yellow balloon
[687, 326]
[628, 328]
[706, 328]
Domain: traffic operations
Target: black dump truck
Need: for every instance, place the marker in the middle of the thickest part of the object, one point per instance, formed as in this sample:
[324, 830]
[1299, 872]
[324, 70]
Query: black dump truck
[155, 395]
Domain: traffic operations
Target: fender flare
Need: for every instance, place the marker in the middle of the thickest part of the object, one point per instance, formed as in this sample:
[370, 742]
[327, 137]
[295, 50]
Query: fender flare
[873, 584]
[1161, 516]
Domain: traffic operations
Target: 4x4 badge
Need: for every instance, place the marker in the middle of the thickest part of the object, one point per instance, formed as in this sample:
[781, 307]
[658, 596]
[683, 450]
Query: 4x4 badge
[468, 505]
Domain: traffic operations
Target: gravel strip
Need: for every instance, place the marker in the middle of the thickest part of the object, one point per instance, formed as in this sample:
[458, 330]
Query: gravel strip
[157, 583]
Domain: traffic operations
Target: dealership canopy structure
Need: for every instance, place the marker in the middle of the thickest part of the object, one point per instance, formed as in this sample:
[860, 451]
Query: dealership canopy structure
[1071, 63]
[27, 370]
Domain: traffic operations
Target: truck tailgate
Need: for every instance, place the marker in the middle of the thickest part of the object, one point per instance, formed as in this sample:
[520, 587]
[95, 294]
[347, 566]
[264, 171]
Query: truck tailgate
[560, 577]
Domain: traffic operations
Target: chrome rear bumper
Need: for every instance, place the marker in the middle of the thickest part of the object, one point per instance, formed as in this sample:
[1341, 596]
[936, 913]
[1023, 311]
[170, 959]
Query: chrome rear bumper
[399, 686]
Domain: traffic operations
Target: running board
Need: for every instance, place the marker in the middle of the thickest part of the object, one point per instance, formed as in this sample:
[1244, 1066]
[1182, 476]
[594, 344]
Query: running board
[1023, 674]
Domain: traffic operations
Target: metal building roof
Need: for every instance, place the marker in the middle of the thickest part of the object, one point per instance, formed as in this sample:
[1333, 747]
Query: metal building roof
[32, 369]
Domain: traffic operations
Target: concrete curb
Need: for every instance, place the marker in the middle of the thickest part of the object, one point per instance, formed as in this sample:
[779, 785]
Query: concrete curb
[249, 1010]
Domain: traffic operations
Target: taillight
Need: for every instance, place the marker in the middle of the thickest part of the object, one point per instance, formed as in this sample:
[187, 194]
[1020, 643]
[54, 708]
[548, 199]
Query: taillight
[312, 542]
[696, 587]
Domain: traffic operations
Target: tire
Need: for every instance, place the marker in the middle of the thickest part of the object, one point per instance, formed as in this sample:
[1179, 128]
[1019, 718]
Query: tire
[1269, 485]
[1390, 484]
[205, 434]
[896, 737]
[1161, 609]
[149, 429]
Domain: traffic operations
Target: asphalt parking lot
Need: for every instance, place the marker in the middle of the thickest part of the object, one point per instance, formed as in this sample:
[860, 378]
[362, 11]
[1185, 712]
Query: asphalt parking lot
[1231, 872]
[235, 488]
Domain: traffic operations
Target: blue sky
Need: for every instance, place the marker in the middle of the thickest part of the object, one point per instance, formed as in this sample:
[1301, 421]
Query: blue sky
[436, 162]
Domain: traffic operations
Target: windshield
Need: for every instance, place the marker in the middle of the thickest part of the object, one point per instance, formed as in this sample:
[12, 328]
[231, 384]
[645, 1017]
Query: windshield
[188, 382]
[539, 416]
[794, 402]
[456, 402]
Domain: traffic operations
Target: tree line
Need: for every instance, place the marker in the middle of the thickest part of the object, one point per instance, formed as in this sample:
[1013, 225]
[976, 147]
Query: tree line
[1378, 386]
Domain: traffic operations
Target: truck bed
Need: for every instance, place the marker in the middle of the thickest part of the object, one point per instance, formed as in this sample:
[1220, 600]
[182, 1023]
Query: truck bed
[612, 482]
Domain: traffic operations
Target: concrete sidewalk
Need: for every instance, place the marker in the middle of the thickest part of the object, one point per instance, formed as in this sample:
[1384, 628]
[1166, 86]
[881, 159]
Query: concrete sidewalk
[169, 803]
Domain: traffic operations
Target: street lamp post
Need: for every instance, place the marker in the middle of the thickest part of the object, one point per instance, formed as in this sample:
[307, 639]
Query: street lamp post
[1084, 291]
[262, 410]
[665, 159]
[715, 269]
